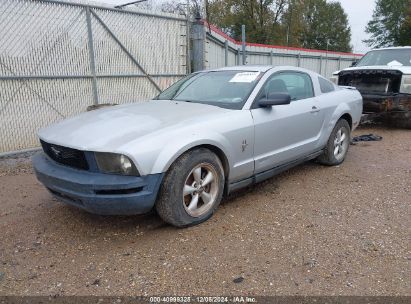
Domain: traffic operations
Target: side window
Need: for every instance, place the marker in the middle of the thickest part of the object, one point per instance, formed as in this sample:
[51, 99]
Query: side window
[298, 85]
[325, 85]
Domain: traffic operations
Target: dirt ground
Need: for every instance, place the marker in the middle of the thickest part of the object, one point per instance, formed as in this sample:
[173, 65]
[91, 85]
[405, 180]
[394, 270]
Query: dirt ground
[312, 230]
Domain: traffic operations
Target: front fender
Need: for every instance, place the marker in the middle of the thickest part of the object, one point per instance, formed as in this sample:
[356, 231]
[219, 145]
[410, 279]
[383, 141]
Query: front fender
[176, 148]
[156, 151]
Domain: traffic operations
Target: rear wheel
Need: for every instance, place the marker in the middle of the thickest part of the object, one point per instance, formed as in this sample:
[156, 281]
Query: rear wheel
[192, 189]
[337, 145]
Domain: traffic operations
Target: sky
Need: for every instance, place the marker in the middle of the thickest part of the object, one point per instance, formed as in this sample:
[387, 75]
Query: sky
[359, 13]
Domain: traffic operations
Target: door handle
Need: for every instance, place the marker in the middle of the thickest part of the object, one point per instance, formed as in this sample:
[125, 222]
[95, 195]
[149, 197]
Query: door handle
[314, 109]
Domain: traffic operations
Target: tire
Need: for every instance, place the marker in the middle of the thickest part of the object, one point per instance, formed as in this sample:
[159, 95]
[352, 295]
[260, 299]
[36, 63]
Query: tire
[189, 195]
[331, 156]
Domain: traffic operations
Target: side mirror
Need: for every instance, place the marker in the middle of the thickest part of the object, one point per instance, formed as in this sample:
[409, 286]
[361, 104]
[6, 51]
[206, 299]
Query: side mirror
[275, 99]
[354, 63]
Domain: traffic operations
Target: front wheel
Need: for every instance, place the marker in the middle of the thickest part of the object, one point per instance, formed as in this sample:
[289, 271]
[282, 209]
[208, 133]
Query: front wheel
[337, 145]
[192, 189]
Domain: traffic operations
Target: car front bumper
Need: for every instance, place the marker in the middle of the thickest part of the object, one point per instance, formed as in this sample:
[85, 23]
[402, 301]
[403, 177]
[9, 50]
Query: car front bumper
[386, 103]
[98, 193]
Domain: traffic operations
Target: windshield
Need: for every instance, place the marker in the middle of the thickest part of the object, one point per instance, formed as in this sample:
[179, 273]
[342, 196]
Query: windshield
[387, 57]
[227, 89]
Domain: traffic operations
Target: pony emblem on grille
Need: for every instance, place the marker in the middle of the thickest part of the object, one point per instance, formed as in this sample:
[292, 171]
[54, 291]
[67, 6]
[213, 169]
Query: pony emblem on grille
[56, 151]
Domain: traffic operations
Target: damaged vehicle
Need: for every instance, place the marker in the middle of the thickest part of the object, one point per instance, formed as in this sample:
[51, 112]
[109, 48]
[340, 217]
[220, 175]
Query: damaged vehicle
[383, 77]
[209, 134]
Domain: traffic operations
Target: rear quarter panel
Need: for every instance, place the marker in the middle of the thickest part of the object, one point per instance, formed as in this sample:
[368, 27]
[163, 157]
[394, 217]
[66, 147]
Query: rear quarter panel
[336, 104]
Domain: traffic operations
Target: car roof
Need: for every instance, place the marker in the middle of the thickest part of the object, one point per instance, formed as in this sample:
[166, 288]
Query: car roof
[393, 48]
[260, 68]
[251, 68]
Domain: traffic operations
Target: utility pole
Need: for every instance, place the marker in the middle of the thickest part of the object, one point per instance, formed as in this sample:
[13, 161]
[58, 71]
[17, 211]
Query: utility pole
[326, 56]
[198, 36]
[243, 44]
[206, 9]
[288, 35]
[188, 33]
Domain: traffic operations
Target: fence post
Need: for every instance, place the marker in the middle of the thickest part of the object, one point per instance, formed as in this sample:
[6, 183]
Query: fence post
[226, 53]
[321, 65]
[339, 62]
[243, 43]
[91, 55]
[198, 35]
[299, 60]
[271, 57]
[238, 56]
[326, 59]
[188, 55]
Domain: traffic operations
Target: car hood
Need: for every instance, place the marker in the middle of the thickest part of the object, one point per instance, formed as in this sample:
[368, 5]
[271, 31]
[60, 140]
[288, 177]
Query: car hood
[109, 128]
[403, 69]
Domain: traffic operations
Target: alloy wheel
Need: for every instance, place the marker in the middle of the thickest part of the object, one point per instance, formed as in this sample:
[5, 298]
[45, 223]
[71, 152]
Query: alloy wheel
[200, 189]
[341, 142]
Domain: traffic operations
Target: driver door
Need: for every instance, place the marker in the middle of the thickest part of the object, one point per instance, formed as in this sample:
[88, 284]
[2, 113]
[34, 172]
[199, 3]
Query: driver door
[285, 133]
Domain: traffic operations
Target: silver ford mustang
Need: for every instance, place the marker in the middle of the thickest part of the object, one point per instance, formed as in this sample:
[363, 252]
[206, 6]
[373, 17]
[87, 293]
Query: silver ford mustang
[207, 135]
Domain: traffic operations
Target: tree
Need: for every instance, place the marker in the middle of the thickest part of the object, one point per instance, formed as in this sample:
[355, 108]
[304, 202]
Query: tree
[301, 23]
[317, 24]
[387, 24]
[261, 18]
[180, 7]
[405, 29]
[173, 6]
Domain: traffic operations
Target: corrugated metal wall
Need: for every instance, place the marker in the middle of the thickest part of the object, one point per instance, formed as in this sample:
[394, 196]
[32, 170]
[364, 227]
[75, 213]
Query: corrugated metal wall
[322, 62]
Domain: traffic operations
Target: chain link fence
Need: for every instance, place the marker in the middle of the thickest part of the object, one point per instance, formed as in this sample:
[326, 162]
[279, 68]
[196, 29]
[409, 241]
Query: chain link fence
[57, 58]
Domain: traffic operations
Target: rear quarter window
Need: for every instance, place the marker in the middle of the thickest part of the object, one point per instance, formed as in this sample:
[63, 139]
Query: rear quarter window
[325, 85]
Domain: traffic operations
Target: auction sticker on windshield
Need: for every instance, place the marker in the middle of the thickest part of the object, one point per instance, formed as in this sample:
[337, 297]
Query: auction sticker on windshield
[245, 77]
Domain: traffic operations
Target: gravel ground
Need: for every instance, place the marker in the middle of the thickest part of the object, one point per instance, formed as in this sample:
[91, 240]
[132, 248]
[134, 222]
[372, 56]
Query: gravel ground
[312, 230]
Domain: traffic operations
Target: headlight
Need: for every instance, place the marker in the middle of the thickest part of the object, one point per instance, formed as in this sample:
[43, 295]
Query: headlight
[113, 163]
[405, 84]
[334, 79]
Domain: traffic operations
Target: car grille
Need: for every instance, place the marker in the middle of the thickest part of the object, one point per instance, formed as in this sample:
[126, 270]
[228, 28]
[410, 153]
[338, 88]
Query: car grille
[65, 156]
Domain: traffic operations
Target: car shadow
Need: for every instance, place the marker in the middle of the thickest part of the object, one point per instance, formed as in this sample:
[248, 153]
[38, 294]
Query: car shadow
[148, 221]
[152, 222]
[271, 184]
